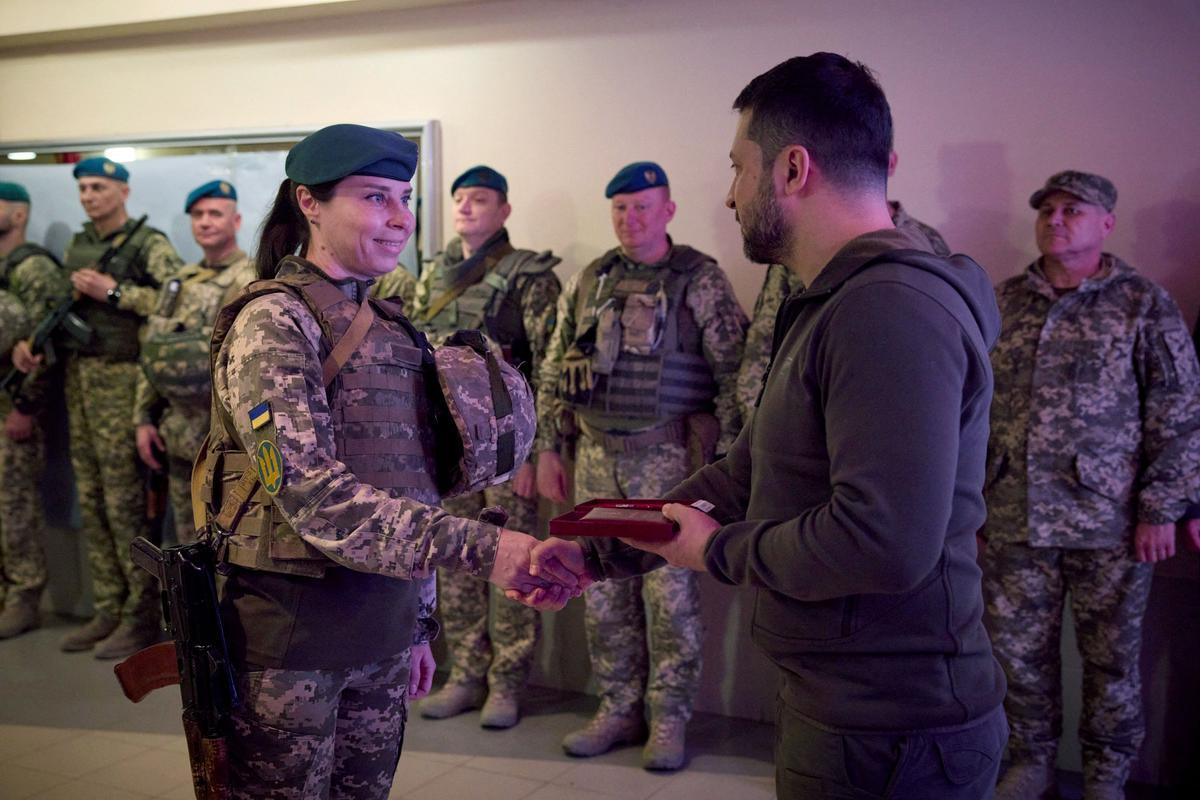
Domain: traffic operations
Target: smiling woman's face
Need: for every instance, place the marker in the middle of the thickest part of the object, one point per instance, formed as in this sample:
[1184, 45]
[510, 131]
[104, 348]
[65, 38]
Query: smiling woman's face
[362, 229]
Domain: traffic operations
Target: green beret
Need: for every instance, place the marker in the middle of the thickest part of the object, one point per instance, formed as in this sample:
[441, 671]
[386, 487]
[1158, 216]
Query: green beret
[101, 167]
[1089, 188]
[13, 192]
[334, 152]
[483, 176]
[221, 189]
[635, 177]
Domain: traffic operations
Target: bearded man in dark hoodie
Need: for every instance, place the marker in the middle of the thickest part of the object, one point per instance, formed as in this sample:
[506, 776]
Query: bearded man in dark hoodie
[851, 499]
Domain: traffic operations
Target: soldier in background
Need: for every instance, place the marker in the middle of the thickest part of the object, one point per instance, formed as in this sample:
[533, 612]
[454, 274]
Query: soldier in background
[30, 280]
[173, 398]
[101, 376]
[1094, 443]
[481, 282]
[398, 285]
[781, 282]
[645, 354]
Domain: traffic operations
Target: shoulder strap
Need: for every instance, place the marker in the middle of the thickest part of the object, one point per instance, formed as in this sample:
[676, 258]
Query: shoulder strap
[24, 251]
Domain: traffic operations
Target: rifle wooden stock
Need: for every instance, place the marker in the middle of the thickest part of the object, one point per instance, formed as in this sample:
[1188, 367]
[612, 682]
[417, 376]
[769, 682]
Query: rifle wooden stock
[210, 762]
[147, 670]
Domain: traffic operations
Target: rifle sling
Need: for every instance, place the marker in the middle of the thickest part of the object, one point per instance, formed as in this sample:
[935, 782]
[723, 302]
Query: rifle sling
[456, 291]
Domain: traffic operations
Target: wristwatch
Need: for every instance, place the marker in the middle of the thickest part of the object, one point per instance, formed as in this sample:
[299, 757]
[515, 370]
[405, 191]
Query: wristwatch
[114, 295]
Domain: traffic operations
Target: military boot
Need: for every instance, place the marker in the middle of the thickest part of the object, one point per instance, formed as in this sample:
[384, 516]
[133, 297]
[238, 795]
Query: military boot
[1026, 781]
[1103, 791]
[19, 616]
[128, 638]
[451, 699]
[85, 638]
[502, 709]
[665, 749]
[605, 731]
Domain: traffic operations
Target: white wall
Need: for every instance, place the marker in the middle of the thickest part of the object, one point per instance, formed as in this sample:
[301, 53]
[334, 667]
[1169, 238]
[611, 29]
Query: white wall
[989, 98]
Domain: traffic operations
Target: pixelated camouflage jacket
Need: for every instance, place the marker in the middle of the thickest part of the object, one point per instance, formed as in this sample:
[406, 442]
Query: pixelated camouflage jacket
[174, 354]
[1095, 421]
[714, 307]
[37, 283]
[272, 355]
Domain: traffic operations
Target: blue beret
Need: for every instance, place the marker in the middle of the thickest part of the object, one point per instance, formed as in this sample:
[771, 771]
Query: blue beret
[483, 176]
[635, 177]
[101, 167]
[334, 152]
[13, 192]
[222, 189]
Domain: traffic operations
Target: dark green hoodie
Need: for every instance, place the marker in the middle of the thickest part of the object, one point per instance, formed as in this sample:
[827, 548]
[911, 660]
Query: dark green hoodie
[851, 499]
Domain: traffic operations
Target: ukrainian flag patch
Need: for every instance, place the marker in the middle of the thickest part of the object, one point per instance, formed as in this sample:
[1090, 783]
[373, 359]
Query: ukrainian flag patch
[260, 415]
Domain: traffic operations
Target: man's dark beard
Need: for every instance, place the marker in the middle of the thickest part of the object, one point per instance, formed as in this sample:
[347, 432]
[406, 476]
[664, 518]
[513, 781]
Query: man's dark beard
[764, 237]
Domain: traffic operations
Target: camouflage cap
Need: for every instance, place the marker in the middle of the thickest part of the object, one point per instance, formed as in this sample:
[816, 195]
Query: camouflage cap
[101, 167]
[13, 192]
[219, 189]
[337, 151]
[483, 176]
[1089, 188]
[636, 177]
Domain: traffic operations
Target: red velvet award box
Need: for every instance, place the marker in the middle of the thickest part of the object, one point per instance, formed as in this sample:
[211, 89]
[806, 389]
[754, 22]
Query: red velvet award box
[628, 519]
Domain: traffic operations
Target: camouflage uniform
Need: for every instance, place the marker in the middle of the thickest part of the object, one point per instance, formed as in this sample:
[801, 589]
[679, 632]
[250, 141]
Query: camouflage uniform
[100, 384]
[325, 713]
[174, 388]
[504, 655]
[1095, 427]
[630, 657]
[398, 284]
[29, 287]
[778, 284]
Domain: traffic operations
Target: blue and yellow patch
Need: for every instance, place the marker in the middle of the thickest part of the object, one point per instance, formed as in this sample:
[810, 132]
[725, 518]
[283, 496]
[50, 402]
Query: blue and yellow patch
[260, 415]
[270, 466]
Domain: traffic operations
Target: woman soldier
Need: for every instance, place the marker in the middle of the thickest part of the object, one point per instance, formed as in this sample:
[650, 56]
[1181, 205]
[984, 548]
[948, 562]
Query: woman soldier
[319, 477]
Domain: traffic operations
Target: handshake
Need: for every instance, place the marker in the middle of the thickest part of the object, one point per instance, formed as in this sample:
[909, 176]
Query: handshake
[544, 575]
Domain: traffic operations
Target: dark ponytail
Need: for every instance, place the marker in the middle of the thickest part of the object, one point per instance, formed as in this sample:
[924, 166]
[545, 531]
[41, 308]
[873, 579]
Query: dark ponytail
[284, 231]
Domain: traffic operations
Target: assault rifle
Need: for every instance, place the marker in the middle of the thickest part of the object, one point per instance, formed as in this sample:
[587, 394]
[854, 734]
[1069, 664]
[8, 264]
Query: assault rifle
[63, 317]
[197, 659]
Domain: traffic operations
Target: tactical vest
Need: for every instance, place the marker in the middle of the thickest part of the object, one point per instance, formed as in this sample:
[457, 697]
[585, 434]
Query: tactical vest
[19, 254]
[492, 306]
[174, 353]
[378, 406]
[114, 330]
[670, 381]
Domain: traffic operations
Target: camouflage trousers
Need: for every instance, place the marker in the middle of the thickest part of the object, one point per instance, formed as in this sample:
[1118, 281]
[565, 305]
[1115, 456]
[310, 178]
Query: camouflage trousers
[112, 501]
[644, 634]
[502, 656]
[183, 431]
[302, 734]
[1025, 588]
[22, 557]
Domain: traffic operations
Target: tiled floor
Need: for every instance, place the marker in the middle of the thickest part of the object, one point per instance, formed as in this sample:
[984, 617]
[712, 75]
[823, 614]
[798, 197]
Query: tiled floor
[66, 731]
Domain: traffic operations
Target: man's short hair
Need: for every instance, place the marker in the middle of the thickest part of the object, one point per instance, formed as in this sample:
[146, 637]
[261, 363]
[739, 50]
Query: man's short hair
[831, 106]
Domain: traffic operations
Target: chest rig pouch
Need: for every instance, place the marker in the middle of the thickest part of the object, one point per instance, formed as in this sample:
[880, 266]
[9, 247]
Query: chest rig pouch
[175, 345]
[639, 354]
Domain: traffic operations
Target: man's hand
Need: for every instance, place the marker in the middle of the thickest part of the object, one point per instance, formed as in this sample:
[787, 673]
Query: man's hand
[525, 481]
[511, 572]
[1191, 531]
[551, 476]
[24, 359]
[686, 548]
[1153, 543]
[92, 283]
[420, 675]
[558, 560]
[147, 440]
[17, 426]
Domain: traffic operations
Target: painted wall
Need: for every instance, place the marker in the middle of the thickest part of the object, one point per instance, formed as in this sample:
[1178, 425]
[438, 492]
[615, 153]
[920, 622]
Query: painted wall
[988, 99]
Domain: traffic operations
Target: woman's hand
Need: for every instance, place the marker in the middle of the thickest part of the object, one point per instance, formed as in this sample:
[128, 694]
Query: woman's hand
[420, 674]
